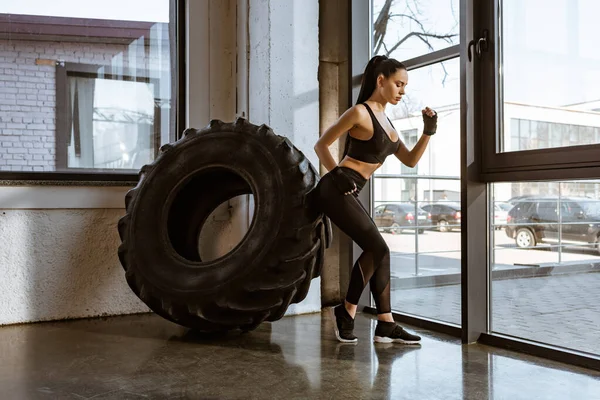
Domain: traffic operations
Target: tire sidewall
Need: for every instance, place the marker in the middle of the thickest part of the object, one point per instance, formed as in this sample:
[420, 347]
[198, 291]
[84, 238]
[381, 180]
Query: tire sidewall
[252, 159]
[527, 232]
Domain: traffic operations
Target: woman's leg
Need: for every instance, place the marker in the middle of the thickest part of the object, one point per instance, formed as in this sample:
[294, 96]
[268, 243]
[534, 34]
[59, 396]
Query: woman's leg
[373, 265]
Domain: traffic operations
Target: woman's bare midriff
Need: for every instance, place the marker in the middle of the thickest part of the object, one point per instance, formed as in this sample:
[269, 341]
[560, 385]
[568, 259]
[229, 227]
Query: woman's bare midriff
[363, 168]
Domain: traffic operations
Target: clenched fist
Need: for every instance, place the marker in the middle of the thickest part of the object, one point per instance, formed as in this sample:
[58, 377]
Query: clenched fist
[430, 121]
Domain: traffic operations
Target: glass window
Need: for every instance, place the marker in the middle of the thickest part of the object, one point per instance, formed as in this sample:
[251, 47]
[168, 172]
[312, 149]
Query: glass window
[544, 260]
[89, 90]
[531, 135]
[100, 132]
[548, 76]
[410, 138]
[590, 207]
[436, 86]
[547, 210]
[407, 29]
[424, 241]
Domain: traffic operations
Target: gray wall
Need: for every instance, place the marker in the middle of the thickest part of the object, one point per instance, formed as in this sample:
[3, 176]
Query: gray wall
[59, 254]
[59, 244]
[283, 82]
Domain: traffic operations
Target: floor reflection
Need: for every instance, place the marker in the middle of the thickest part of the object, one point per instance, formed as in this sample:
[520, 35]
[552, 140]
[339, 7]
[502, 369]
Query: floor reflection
[297, 357]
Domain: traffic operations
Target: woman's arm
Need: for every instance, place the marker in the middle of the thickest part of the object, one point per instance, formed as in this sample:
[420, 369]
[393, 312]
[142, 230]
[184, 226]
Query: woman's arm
[350, 119]
[412, 157]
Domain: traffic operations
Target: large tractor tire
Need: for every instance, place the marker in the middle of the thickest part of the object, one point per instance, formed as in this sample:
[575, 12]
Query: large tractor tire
[269, 269]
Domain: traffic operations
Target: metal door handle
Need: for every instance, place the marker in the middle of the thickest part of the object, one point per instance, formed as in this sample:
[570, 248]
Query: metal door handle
[480, 45]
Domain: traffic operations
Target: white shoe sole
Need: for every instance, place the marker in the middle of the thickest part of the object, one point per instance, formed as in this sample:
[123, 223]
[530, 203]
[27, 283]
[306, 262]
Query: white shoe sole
[335, 328]
[380, 339]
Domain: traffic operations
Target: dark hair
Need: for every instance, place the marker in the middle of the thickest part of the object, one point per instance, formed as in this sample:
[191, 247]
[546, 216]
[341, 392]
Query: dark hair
[376, 66]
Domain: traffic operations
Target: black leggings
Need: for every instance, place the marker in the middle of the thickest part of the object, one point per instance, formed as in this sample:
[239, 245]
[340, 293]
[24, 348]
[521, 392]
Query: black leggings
[348, 214]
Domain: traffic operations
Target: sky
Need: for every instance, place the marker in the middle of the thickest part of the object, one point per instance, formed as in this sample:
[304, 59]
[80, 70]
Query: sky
[127, 10]
[436, 17]
[550, 50]
[425, 86]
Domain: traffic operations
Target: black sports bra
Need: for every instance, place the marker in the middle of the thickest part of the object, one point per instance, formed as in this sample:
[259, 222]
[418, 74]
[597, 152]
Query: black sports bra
[377, 148]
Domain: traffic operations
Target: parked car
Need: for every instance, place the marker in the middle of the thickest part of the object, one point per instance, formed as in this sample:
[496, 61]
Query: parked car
[500, 215]
[445, 215]
[544, 219]
[505, 206]
[395, 217]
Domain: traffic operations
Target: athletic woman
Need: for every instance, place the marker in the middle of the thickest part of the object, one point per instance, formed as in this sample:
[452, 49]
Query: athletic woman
[371, 139]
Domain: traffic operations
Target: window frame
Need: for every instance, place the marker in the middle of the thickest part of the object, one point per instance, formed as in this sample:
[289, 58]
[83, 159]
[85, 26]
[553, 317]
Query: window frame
[99, 177]
[64, 70]
[477, 103]
[360, 39]
[484, 166]
[568, 162]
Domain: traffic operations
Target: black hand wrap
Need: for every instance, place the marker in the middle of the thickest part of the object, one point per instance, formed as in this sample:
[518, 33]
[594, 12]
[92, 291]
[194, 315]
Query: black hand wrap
[430, 124]
[343, 182]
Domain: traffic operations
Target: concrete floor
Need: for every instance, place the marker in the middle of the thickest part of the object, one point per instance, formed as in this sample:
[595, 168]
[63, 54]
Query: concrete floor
[146, 357]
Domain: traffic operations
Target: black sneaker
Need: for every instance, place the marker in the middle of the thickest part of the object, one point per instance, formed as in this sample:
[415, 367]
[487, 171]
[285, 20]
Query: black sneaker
[343, 324]
[390, 332]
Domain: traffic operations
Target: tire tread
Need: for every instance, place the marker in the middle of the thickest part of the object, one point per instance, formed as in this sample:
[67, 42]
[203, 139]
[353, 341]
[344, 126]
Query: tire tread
[297, 256]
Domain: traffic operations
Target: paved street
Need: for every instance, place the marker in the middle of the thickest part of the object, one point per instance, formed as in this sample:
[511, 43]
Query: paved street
[563, 310]
[439, 253]
[560, 310]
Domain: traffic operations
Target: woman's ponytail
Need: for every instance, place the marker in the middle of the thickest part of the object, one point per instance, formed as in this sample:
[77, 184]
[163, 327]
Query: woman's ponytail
[369, 79]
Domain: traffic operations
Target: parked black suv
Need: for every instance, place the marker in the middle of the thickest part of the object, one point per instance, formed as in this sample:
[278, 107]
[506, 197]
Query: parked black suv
[395, 217]
[538, 219]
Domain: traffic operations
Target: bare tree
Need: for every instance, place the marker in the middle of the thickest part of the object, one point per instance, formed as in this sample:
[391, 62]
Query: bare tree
[412, 12]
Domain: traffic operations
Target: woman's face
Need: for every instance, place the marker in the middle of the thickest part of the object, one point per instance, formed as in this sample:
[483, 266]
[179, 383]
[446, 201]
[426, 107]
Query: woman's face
[392, 88]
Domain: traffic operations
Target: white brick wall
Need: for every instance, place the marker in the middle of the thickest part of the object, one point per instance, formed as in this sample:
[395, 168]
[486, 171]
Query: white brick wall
[28, 95]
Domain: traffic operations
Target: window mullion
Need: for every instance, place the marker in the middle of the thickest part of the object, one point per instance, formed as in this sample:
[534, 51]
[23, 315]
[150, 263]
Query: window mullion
[433, 57]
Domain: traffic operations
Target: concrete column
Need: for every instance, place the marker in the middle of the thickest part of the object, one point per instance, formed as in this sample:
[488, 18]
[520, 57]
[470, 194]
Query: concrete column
[213, 74]
[334, 99]
[258, 59]
[283, 82]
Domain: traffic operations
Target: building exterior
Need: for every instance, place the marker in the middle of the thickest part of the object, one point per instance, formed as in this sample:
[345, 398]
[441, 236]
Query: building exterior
[526, 127]
[111, 80]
